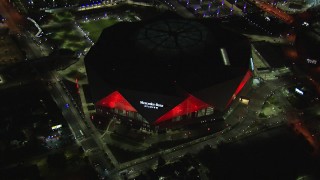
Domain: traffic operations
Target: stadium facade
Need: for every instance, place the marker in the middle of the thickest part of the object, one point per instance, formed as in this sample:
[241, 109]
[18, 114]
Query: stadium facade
[167, 69]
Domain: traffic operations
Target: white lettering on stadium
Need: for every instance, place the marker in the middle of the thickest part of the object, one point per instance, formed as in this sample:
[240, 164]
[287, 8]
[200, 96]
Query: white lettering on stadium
[151, 105]
[312, 61]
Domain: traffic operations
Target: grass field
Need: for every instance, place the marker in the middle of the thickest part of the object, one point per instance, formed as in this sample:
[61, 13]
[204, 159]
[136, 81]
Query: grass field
[62, 33]
[95, 27]
[68, 38]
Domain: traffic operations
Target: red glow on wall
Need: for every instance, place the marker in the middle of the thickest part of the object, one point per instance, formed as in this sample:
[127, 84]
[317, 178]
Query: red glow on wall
[191, 104]
[116, 100]
[239, 88]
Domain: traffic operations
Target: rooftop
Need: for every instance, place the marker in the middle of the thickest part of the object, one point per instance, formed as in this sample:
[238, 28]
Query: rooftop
[169, 53]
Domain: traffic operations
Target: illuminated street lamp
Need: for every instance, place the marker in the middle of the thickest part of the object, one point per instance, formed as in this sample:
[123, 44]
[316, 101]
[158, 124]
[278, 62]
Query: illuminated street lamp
[244, 7]
[231, 10]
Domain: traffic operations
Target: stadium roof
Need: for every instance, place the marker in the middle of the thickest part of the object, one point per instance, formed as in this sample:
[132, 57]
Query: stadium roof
[169, 56]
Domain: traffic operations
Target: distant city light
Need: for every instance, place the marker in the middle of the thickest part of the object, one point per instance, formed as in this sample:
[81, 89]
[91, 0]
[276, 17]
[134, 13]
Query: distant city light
[305, 24]
[298, 91]
[1, 79]
[251, 64]
[56, 127]
[244, 100]
[312, 61]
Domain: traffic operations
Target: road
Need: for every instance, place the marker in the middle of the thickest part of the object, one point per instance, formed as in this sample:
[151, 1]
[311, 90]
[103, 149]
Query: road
[181, 10]
[13, 18]
[88, 139]
[273, 10]
[85, 137]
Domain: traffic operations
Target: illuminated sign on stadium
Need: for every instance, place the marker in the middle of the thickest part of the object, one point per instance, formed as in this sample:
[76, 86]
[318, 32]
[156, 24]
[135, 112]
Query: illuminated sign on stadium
[151, 105]
[312, 61]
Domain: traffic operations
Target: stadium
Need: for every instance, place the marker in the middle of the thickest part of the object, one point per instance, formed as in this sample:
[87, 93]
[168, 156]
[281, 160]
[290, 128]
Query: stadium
[167, 70]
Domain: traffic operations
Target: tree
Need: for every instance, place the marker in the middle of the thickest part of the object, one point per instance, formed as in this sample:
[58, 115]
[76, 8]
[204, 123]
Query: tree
[57, 160]
[81, 151]
[161, 161]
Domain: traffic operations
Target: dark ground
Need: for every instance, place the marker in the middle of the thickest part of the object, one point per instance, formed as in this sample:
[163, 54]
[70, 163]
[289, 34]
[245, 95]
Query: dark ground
[276, 154]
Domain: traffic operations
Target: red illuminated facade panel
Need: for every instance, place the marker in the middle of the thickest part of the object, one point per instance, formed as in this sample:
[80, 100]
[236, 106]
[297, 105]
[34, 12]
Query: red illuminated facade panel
[116, 100]
[189, 105]
[239, 88]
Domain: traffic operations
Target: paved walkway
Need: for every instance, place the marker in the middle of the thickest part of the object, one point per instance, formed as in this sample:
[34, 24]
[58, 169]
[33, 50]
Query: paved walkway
[79, 67]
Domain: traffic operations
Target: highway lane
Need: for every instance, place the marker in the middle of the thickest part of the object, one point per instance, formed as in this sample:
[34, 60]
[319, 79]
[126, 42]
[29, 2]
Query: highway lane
[181, 10]
[13, 18]
[35, 50]
[84, 136]
[15, 22]
[96, 135]
[71, 114]
[288, 19]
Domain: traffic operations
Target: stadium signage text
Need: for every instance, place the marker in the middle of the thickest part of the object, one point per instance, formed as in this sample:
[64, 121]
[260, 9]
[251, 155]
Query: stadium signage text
[312, 61]
[151, 105]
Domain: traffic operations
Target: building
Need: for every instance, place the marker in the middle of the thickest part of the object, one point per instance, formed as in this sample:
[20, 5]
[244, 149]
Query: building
[167, 69]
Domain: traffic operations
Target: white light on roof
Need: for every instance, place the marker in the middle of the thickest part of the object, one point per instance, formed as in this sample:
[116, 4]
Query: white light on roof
[298, 91]
[305, 24]
[251, 64]
[225, 57]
